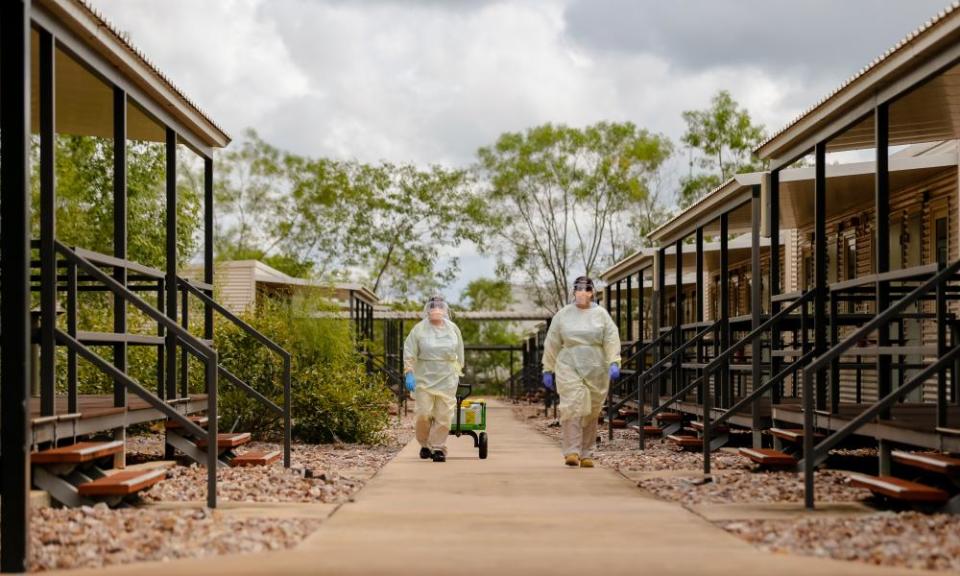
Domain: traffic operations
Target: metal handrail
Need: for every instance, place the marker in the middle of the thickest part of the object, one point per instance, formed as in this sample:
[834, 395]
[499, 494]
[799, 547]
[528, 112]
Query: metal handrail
[285, 411]
[760, 390]
[750, 337]
[811, 451]
[207, 353]
[878, 321]
[821, 450]
[676, 351]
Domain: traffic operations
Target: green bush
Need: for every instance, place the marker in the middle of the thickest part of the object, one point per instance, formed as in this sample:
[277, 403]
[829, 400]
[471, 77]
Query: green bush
[333, 399]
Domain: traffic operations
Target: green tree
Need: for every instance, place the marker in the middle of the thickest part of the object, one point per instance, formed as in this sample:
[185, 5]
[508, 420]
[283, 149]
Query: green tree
[404, 222]
[723, 138]
[488, 367]
[555, 194]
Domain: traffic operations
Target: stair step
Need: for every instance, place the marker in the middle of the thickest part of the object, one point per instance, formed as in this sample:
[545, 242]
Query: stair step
[78, 453]
[768, 457]
[930, 461]
[228, 440]
[794, 435]
[122, 483]
[898, 489]
[200, 421]
[685, 441]
[256, 458]
[618, 423]
[628, 414]
[647, 430]
[669, 417]
[698, 426]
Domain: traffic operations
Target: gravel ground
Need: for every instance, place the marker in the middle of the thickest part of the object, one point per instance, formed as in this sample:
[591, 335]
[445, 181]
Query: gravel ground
[733, 478]
[739, 486]
[97, 536]
[908, 539]
[90, 537]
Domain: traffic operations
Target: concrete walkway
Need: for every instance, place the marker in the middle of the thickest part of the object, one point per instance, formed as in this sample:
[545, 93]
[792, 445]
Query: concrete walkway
[519, 512]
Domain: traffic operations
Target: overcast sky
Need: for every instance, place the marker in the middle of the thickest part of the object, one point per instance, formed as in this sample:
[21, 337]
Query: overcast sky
[430, 81]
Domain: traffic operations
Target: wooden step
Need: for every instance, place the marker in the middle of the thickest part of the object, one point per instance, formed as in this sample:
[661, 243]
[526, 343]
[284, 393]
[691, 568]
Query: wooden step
[930, 461]
[618, 423]
[628, 413]
[201, 421]
[122, 483]
[647, 430]
[685, 441]
[897, 489]
[669, 417]
[698, 426]
[78, 453]
[227, 441]
[794, 435]
[768, 457]
[256, 458]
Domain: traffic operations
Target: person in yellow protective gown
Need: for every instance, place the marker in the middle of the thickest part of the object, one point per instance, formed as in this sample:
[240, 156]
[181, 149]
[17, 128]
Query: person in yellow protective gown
[432, 365]
[581, 355]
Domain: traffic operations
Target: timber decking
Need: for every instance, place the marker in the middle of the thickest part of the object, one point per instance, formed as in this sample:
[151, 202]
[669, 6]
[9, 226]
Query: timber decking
[78, 453]
[929, 461]
[122, 483]
[898, 489]
[98, 405]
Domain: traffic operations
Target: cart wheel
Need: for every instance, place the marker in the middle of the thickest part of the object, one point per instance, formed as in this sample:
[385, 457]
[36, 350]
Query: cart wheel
[483, 445]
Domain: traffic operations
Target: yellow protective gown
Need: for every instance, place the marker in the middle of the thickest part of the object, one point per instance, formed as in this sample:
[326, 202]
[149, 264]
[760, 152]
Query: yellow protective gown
[435, 355]
[580, 346]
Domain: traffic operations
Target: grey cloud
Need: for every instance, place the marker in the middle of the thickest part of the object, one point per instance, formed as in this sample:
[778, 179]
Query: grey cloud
[815, 38]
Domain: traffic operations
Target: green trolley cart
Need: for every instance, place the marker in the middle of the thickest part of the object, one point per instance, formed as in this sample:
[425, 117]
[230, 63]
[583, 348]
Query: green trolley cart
[471, 419]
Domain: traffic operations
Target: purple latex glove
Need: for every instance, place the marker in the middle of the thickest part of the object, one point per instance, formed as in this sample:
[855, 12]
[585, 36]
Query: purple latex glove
[614, 372]
[548, 381]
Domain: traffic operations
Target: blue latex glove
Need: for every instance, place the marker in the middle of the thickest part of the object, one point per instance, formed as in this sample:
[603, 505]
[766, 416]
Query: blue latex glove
[548, 381]
[409, 380]
[614, 372]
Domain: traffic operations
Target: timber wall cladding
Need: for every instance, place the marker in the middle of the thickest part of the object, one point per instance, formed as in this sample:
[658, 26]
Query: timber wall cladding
[913, 208]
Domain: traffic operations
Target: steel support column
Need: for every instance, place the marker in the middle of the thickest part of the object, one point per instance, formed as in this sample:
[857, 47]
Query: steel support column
[820, 270]
[882, 264]
[15, 270]
[698, 310]
[773, 197]
[208, 239]
[171, 254]
[678, 317]
[619, 311]
[48, 224]
[630, 308]
[120, 235]
[756, 307]
[723, 382]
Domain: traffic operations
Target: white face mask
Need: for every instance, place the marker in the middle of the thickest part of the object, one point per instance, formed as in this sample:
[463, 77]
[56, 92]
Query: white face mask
[583, 298]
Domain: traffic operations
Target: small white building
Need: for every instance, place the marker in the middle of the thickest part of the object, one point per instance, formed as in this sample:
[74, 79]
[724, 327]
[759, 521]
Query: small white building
[240, 285]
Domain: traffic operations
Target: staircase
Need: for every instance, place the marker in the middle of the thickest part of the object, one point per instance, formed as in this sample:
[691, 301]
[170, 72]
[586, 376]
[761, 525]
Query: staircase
[939, 467]
[77, 470]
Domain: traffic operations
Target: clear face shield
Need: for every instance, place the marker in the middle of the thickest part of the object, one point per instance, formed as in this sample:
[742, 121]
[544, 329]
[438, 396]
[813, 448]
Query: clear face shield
[436, 309]
[583, 293]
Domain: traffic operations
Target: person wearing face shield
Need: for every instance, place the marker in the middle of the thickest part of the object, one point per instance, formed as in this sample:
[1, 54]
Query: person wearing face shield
[432, 365]
[580, 357]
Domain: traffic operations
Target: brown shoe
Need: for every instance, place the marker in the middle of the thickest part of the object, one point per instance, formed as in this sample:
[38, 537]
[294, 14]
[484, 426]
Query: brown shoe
[586, 463]
[572, 460]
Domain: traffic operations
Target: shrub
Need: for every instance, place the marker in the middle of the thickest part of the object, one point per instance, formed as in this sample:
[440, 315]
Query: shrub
[333, 399]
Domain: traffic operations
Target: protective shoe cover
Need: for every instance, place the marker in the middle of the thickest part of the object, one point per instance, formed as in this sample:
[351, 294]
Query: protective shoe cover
[435, 356]
[580, 346]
